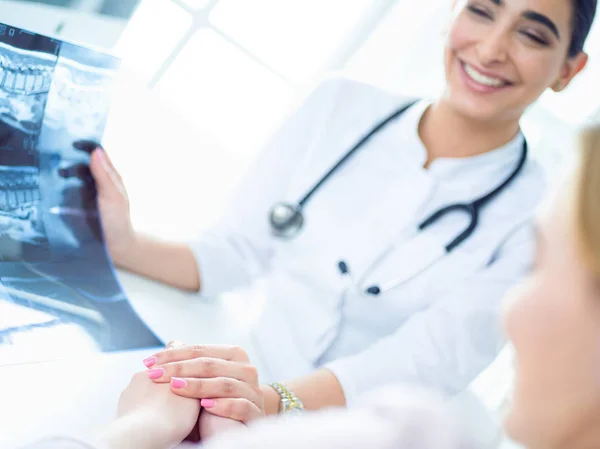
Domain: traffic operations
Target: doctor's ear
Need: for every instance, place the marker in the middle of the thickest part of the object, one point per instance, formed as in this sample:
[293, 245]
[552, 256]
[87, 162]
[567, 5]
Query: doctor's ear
[571, 68]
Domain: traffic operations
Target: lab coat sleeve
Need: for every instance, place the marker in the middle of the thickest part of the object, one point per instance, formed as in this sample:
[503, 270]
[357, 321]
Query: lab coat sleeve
[239, 248]
[445, 347]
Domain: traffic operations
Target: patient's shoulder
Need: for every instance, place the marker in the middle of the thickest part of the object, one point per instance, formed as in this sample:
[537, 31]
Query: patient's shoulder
[417, 418]
[59, 443]
[398, 418]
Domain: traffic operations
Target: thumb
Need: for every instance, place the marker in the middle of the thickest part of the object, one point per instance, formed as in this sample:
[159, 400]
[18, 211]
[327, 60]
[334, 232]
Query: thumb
[108, 181]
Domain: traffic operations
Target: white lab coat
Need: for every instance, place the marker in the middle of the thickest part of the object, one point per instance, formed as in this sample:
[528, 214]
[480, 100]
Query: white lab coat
[441, 328]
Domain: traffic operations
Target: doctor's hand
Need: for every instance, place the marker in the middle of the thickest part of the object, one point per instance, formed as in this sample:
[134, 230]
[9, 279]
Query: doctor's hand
[113, 204]
[220, 376]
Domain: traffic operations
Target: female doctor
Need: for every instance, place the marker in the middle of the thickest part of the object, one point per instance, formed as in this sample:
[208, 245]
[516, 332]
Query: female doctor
[382, 231]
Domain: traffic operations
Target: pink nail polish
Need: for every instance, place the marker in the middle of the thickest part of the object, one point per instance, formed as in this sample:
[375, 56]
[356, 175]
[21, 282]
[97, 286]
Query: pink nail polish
[207, 403]
[150, 362]
[156, 373]
[177, 382]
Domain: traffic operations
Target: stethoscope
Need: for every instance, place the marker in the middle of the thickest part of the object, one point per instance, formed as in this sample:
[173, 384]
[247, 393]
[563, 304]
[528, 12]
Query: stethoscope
[287, 219]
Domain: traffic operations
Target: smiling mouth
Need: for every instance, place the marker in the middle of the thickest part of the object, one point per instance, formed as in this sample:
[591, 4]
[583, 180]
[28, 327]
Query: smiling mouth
[484, 80]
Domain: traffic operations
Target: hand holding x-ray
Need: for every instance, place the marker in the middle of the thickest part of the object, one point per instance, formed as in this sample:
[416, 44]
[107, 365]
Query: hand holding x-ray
[56, 272]
[96, 188]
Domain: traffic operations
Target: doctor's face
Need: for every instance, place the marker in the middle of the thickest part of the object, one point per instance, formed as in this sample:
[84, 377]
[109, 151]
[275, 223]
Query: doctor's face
[553, 321]
[501, 55]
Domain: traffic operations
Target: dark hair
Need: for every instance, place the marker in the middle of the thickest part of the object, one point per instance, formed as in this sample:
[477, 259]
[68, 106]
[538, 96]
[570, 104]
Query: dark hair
[583, 17]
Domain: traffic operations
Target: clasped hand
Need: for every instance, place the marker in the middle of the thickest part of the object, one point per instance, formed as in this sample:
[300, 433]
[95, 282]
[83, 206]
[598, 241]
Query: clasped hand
[221, 377]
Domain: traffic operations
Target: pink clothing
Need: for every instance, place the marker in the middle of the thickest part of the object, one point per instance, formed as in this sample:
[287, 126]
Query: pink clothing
[391, 418]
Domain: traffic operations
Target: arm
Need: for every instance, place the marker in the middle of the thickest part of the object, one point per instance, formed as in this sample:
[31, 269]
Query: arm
[144, 430]
[235, 251]
[318, 390]
[166, 262]
[149, 416]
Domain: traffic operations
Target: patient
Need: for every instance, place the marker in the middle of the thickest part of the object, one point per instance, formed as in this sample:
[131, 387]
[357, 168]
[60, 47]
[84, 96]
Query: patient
[552, 319]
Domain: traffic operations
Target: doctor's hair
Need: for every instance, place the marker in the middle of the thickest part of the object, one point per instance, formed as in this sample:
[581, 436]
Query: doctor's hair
[587, 198]
[584, 12]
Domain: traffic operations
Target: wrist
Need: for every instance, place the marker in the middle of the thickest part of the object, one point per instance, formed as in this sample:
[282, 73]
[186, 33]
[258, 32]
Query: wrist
[123, 253]
[143, 430]
[272, 400]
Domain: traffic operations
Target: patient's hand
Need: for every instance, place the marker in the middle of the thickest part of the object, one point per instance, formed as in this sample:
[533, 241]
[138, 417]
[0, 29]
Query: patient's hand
[169, 417]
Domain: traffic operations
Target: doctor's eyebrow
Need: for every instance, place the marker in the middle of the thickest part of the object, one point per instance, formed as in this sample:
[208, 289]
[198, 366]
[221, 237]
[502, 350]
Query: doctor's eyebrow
[535, 17]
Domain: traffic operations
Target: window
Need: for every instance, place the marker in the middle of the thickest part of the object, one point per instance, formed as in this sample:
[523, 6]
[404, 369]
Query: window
[224, 73]
[115, 8]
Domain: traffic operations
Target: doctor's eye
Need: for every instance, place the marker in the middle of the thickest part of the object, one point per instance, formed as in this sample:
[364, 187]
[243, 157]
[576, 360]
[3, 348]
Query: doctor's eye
[535, 38]
[479, 11]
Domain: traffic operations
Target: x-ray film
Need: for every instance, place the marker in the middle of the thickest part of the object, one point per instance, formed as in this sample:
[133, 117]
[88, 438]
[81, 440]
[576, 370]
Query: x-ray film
[59, 295]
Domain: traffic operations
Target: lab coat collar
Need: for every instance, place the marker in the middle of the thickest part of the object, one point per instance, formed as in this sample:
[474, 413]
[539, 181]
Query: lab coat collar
[452, 167]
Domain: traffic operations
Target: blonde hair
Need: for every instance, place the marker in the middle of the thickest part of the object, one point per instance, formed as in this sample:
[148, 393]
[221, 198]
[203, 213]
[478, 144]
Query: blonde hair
[587, 198]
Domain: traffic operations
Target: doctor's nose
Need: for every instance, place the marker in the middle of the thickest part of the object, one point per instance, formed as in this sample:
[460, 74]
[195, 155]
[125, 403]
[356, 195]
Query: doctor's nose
[493, 48]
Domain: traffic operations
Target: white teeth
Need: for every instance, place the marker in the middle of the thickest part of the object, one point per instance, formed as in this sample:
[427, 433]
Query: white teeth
[481, 78]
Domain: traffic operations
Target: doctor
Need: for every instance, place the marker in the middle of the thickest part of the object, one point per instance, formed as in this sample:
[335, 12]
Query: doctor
[381, 231]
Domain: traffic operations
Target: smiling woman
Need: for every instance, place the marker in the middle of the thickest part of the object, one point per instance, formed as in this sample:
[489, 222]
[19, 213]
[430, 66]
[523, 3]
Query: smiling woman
[514, 51]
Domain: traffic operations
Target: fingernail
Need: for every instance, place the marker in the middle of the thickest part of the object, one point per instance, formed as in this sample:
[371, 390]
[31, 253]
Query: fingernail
[103, 160]
[207, 403]
[156, 373]
[177, 382]
[150, 362]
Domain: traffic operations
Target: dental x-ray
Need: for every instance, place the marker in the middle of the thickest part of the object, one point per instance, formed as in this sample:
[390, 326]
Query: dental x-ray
[59, 295]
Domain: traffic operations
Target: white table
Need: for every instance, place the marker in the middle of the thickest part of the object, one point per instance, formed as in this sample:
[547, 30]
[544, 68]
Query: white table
[75, 396]
[78, 395]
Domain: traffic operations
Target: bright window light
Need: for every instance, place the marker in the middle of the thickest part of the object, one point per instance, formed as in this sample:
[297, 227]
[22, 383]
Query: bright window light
[579, 101]
[156, 27]
[211, 110]
[415, 67]
[196, 4]
[216, 89]
[296, 37]
[224, 91]
[592, 45]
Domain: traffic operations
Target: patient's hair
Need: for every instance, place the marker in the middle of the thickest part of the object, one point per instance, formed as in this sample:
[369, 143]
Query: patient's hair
[587, 198]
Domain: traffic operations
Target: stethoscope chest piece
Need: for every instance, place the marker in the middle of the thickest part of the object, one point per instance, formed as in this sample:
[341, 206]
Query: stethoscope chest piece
[286, 220]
